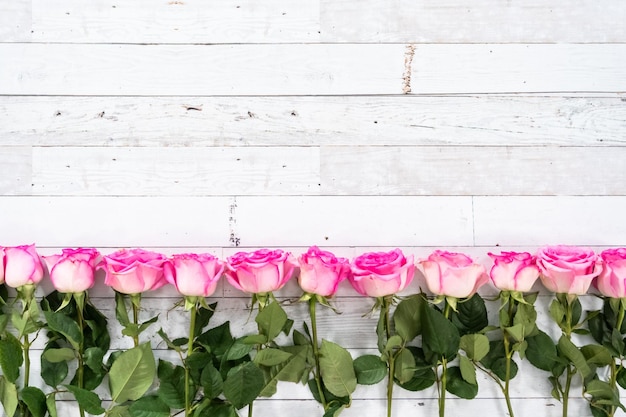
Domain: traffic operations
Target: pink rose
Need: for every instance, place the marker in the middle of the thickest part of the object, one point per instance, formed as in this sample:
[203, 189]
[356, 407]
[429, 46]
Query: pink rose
[452, 274]
[377, 274]
[612, 280]
[20, 265]
[73, 270]
[134, 271]
[261, 271]
[194, 275]
[321, 272]
[568, 269]
[513, 271]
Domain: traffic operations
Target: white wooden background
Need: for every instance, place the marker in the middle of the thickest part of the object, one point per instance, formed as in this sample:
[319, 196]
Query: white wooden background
[194, 126]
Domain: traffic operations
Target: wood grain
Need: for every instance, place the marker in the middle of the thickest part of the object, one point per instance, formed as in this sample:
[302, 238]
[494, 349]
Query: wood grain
[15, 21]
[484, 21]
[540, 221]
[16, 168]
[310, 69]
[512, 120]
[175, 171]
[452, 170]
[189, 21]
[349, 221]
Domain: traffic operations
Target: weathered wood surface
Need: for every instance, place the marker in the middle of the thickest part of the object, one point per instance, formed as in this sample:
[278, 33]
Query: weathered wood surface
[310, 69]
[484, 120]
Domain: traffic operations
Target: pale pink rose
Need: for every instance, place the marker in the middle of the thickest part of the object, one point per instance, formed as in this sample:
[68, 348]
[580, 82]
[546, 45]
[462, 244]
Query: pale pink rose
[612, 280]
[378, 274]
[194, 275]
[452, 274]
[568, 269]
[73, 270]
[133, 271]
[513, 271]
[321, 272]
[261, 271]
[20, 265]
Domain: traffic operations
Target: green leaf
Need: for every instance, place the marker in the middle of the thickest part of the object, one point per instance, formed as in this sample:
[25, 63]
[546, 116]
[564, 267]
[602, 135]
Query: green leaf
[597, 355]
[149, 407]
[541, 351]
[35, 400]
[51, 405]
[171, 384]
[94, 357]
[439, 335]
[393, 342]
[238, 350]
[336, 369]
[121, 314]
[211, 381]
[404, 366]
[369, 369]
[406, 317]
[471, 315]
[8, 396]
[132, 374]
[476, 346]
[59, 355]
[299, 338]
[617, 342]
[168, 342]
[468, 371]
[203, 317]
[571, 352]
[271, 357]
[271, 320]
[292, 370]
[119, 411]
[243, 384]
[516, 332]
[60, 323]
[621, 377]
[10, 357]
[458, 386]
[603, 394]
[255, 339]
[53, 373]
[90, 401]
[421, 380]
[557, 311]
[596, 327]
[219, 339]
[216, 410]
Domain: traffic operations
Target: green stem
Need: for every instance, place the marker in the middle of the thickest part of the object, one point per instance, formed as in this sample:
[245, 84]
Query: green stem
[614, 367]
[444, 371]
[26, 349]
[316, 353]
[192, 327]
[81, 347]
[569, 372]
[135, 320]
[390, 361]
[508, 358]
[568, 383]
[263, 299]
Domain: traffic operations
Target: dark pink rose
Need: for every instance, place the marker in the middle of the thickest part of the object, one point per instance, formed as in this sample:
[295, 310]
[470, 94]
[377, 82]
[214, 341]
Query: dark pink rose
[377, 274]
[133, 271]
[452, 274]
[20, 265]
[568, 269]
[513, 271]
[261, 271]
[321, 272]
[73, 270]
[194, 275]
[612, 280]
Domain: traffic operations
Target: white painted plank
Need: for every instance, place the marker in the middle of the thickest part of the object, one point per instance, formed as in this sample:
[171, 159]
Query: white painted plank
[15, 21]
[497, 68]
[343, 120]
[189, 21]
[419, 170]
[104, 69]
[540, 221]
[482, 21]
[115, 221]
[15, 170]
[350, 221]
[176, 171]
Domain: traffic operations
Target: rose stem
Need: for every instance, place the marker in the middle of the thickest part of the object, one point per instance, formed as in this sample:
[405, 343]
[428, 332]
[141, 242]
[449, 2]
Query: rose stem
[444, 371]
[391, 362]
[81, 365]
[509, 355]
[316, 353]
[192, 326]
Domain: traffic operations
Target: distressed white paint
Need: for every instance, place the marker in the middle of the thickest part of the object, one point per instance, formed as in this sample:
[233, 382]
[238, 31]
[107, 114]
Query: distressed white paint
[186, 127]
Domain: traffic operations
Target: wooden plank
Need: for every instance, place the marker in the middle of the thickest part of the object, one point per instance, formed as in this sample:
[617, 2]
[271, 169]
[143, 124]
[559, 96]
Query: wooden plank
[15, 21]
[176, 171]
[115, 221]
[511, 120]
[15, 170]
[550, 220]
[124, 70]
[452, 170]
[189, 21]
[484, 21]
[353, 221]
[498, 68]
